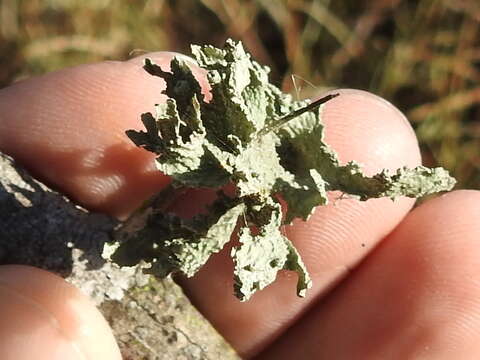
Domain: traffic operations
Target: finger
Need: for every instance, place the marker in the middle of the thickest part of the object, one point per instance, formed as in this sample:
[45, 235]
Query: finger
[45, 318]
[416, 297]
[68, 128]
[359, 126]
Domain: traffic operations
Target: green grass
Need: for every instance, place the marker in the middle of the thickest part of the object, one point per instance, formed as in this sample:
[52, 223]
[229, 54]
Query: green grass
[423, 56]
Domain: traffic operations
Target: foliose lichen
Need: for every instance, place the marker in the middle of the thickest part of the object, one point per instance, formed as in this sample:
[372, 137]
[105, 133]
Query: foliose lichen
[265, 143]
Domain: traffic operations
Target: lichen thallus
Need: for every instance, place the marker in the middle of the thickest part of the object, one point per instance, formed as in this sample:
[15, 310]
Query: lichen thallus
[232, 140]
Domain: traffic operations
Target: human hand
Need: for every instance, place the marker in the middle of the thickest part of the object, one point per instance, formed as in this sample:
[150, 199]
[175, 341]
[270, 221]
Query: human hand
[413, 296]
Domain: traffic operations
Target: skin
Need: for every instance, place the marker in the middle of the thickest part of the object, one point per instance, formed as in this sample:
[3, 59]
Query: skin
[389, 283]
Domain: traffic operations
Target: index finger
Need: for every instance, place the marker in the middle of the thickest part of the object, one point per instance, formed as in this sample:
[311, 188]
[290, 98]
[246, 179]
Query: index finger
[68, 128]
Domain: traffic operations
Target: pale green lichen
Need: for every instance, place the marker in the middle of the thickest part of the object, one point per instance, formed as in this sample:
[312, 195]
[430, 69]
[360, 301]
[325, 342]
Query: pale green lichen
[269, 146]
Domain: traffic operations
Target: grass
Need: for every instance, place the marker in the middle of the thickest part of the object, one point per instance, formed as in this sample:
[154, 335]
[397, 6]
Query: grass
[423, 56]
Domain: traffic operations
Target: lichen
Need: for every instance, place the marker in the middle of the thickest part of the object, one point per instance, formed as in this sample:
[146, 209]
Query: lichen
[265, 143]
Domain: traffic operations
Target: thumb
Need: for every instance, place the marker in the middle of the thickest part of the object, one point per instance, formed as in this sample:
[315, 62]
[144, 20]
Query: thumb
[44, 317]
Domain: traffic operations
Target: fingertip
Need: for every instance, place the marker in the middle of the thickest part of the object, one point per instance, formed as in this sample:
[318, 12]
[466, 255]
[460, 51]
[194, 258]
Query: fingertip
[446, 229]
[364, 127]
[44, 317]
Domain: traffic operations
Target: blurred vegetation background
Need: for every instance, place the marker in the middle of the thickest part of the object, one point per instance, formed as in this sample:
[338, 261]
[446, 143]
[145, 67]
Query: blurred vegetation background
[422, 55]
